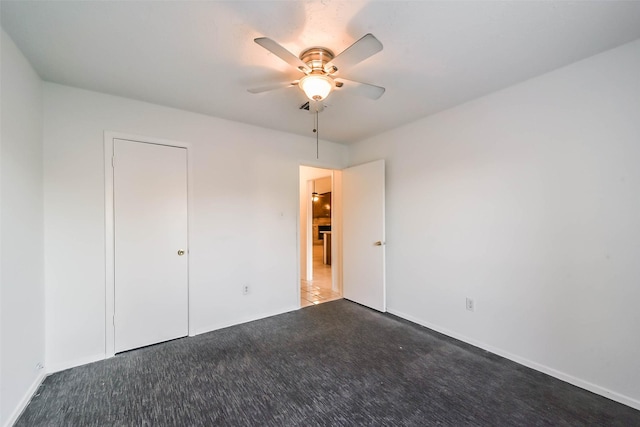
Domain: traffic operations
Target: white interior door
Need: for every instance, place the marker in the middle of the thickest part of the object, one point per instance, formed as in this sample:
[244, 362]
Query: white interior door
[363, 234]
[150, 218]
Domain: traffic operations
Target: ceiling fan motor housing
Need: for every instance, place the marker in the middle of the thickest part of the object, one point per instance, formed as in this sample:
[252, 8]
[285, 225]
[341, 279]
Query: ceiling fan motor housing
[316, 58]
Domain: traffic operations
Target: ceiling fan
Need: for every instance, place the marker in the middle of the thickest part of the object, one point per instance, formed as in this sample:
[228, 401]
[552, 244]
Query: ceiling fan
[320, 67]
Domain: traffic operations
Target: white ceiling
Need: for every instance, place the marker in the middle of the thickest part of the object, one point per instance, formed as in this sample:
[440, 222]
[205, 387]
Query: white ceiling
[200, 55]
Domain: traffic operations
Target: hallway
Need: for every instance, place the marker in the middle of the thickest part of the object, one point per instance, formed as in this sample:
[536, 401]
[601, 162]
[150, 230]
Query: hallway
[318, 290]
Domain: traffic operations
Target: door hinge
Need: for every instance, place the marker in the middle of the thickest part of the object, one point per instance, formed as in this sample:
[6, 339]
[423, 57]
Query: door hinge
[113, 162]
[114, 320]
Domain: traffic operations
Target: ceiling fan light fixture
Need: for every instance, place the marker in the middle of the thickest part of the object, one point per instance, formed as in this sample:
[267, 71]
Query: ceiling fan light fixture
[317, 86]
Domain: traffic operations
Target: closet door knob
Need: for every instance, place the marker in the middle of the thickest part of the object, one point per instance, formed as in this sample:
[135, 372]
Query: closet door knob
[180, 252]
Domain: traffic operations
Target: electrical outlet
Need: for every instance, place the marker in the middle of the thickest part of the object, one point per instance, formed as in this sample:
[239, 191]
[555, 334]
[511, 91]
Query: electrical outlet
[245, 289]
[471, 306]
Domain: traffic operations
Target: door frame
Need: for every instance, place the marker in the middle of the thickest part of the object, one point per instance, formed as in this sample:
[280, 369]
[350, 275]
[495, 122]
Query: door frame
[308, 227]
[109, 310]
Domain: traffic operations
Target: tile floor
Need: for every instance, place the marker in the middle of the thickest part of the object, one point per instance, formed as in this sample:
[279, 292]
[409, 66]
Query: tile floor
[318, 290]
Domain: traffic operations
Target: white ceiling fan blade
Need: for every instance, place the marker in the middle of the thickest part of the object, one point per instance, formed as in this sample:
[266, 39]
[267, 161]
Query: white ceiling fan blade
[274, 86]
[367, 46]
[282, 53]
[359, 88]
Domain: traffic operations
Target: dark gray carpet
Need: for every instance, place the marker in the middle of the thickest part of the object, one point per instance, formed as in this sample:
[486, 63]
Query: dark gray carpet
[336, 364]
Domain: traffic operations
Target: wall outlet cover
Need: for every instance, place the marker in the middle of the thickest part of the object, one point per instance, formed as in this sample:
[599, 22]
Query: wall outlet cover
[470, 305]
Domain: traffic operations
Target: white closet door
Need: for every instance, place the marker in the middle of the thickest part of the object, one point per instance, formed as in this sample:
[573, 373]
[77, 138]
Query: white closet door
[150, 217]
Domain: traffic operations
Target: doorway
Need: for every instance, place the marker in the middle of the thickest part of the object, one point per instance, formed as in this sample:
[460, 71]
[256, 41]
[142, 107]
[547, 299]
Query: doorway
[358, 235]
[319, 243]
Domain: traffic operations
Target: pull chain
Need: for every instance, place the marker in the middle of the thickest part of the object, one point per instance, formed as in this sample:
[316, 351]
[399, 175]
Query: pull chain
[317, 137]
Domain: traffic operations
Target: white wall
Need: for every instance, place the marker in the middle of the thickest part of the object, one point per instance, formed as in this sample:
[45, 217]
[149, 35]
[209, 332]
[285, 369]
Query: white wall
[528, 201]
[243, 220]
[22, 327]
[323, 185]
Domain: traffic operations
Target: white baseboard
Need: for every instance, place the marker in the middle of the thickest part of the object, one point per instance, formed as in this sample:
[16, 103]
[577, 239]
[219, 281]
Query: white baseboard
[241, 320]
[61, 366]
[594, 388]
[26, 399]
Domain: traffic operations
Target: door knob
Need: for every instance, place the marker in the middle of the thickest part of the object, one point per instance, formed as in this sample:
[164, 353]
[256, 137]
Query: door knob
[180, 252]
[378, 243]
